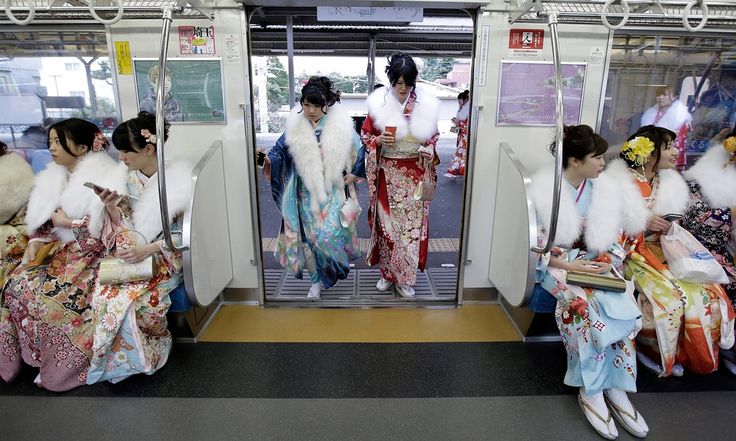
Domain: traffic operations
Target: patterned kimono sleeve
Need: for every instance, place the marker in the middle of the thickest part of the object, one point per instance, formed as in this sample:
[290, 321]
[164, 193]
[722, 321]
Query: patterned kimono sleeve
[359, 150]
[369, 133]
[279, 158]
[542, 259]
[87, 242]
[43, 233]
[172, 259]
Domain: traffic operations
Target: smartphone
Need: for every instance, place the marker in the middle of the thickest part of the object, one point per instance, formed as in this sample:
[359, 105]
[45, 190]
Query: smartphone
[260, 159]
[672, 217]
[97, 189]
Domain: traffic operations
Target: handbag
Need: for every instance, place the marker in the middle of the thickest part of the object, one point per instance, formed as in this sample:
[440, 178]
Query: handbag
[114, 271]
[688, 259]
[350, 210]
[596, 281]
[426, 187]
[44, 254]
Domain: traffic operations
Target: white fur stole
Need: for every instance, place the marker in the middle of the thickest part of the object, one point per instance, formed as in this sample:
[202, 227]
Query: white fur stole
[717, 183]
[385, 110]
[16, 183]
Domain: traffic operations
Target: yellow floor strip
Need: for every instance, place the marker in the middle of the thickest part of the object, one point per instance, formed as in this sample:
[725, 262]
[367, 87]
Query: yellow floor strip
[475, 323]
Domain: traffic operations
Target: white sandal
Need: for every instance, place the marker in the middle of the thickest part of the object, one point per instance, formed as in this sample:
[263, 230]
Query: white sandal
[632, 423]
[591, 415]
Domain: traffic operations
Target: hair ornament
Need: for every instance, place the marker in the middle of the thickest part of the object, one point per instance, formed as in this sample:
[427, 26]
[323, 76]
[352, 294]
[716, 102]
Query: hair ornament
[638, 150]
[148, 136]
[729, 144]
[100, 142]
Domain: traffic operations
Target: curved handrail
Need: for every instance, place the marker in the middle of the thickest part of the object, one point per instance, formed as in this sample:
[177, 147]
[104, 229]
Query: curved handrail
[160, 97]
[624, 19]
[559, 134]
[111, 21]
[686, 15]
[25, 21]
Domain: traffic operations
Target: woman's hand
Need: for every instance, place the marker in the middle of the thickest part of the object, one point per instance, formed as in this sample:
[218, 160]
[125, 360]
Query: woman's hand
[266, 165]
[587, 266]
[32, 250]
[111, 199]
[658, 225]
[427, 152]
[385, 138]
[60, 219]
[137, 253]
[350, 179]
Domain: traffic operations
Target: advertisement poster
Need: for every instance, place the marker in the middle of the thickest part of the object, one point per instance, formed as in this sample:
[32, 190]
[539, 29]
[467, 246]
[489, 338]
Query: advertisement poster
[527, 93]
[193, 89]
[197, 40]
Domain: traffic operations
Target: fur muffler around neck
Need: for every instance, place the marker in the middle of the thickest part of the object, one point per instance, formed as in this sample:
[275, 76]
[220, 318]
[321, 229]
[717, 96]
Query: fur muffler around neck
[671, 195]
[605, 219]
[147, 211]
[56, 188]
[320, 165]
[385, 110]
[16, 183]
[717, 183]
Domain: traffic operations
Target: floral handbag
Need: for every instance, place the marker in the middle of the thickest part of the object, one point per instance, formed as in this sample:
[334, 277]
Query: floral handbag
[350, 210]
[426, 188]
[115, 271]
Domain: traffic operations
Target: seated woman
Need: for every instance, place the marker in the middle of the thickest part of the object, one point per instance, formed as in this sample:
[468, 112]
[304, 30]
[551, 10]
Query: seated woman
[129, 319]
[712, 183]
[309, 167]
[681, 320]
[46, 319]
[597, 326]
[16, 183]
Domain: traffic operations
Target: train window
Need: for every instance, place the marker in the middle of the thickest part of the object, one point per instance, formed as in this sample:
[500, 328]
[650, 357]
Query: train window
[682, 82]
[50, 75]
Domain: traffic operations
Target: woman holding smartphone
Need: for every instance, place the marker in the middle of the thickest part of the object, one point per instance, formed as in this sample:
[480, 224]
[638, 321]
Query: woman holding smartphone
[46, 316]
[681, 320]
[400, 133]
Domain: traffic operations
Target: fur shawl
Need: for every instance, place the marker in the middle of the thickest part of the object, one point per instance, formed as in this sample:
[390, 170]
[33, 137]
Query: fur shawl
[147, 211]
[605, 219]
[385, 110]
[674, 118]
[320, 165]
[717, 183]
[16, 183]
[55, 187]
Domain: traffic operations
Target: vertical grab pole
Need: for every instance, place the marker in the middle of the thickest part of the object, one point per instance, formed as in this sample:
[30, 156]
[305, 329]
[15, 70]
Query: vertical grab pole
[559, 132]
[160, 97]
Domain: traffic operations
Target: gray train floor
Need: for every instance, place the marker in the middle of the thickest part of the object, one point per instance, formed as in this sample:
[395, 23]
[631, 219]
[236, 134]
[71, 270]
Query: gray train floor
[671, 417]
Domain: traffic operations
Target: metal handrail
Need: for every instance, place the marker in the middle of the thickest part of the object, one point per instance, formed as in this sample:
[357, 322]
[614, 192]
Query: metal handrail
[559, 132]
[160, 97]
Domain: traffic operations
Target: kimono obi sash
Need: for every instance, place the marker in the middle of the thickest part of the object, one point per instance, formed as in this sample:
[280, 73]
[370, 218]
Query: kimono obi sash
[402, 149]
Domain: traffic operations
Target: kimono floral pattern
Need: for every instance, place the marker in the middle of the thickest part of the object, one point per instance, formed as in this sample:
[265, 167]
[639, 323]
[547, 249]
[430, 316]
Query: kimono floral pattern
[457, 167]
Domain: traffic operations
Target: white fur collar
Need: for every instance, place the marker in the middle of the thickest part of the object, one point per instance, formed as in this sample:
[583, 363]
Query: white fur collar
[636, 213]
[384, 110]
[147, 211]
[604, 222]
[55, 187]
[673, 118]
[673, 194]
[16, 183]
[717, 183]
[320, 165]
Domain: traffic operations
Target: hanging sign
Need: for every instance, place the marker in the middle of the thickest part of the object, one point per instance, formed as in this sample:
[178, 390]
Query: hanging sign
[355, 13]
[197, 40]
[526, 39]
[122, 58]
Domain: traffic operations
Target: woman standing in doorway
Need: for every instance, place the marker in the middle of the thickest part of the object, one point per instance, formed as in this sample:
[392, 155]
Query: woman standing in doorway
[457, 168]
[400, 134]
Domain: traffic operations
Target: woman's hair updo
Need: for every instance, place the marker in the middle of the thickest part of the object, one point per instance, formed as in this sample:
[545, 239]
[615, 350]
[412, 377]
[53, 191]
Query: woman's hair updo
[579, 142]
[79, 131]
[660, 136]
[320, 91]
[401, 65]
[128, 136]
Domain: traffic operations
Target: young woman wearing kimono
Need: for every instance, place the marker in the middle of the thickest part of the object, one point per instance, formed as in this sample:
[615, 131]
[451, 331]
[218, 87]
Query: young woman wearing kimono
[309, 169]
[400, 134]
[16, 183]
[129, 319]
[712, 183]
[457, 167]
[681, 320]
[46, 316]
[597, 326]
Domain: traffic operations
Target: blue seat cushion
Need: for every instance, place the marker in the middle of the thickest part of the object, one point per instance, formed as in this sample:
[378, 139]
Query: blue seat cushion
[179, 300]
[542, 300]
[39, 159]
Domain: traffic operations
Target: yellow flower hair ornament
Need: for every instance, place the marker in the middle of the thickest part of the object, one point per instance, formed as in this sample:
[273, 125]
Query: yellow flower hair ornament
[638, 150]
[730, 146]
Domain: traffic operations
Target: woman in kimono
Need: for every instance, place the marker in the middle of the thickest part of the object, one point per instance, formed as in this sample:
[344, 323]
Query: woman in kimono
[16, 182]
[597, 326]
[457, 168]
[712, 183]
[309, 168]
[681, 320]
[129, 319]
[46, 316]
[400, 133]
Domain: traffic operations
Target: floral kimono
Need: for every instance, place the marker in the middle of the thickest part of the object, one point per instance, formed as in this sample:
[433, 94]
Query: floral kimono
[681, 320]
[307, 168]
[457, 167]
[46, 319]
[129, 320]
[399, 223]
[16, 183]
[597, 326]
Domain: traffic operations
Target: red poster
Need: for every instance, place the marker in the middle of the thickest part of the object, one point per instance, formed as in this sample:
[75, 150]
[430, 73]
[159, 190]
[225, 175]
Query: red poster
[526, 38]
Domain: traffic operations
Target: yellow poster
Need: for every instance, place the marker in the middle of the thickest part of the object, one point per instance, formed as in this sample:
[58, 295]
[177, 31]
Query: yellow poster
[122, 55]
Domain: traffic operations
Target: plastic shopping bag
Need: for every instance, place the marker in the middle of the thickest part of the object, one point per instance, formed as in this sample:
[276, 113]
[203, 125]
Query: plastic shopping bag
[688, 259]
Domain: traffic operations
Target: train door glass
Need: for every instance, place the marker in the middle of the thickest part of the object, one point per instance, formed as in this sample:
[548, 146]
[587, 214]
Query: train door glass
[682, 82]
[442, 47]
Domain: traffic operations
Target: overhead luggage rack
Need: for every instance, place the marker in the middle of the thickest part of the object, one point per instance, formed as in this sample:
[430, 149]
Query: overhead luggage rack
[659, 13]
